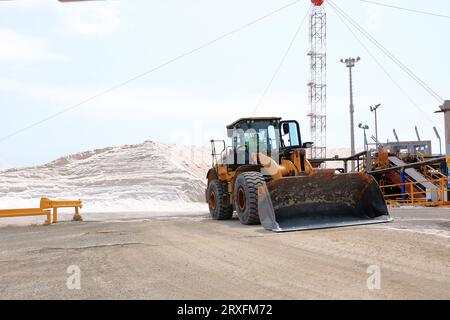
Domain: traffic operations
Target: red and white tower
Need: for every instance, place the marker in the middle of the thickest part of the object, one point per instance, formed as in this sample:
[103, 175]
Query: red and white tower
[317, 85]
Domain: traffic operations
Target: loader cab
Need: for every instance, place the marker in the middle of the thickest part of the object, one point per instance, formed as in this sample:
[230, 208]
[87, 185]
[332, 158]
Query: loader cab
[267, 135]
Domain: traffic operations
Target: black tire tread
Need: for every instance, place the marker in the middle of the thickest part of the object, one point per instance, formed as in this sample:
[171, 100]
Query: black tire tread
[252, 181]
[224, 211]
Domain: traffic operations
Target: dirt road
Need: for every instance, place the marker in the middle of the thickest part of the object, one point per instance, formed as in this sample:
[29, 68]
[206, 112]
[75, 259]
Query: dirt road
[196, 258]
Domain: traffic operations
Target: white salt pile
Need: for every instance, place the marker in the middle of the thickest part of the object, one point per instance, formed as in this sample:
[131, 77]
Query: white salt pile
[131, 181]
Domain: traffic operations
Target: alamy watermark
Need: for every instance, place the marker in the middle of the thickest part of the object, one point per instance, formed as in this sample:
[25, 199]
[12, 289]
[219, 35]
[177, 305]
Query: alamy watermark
[374, 280]
[74, 279]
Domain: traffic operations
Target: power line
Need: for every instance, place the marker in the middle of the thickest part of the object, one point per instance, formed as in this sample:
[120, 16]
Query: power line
[380, 65]
[145, 73]
[277, 70]
[388, 53]
[406, 9]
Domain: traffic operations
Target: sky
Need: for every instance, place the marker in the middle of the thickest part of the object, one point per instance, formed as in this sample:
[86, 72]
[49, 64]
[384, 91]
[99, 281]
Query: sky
[54, 56]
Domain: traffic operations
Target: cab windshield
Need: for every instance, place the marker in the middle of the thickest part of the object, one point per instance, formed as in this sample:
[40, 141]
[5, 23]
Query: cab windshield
[257, 136]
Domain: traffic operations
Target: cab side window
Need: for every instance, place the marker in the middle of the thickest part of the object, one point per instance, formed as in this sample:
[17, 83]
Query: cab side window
[290, 136]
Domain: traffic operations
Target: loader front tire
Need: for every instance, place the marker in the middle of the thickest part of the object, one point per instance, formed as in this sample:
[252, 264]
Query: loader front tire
[218, 201]
[246, 197]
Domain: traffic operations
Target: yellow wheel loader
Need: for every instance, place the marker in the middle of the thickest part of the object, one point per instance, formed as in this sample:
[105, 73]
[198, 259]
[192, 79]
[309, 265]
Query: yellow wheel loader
[265, 177]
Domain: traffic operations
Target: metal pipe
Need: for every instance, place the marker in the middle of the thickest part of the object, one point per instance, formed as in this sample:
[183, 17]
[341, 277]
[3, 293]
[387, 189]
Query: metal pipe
[417, 133]
[408, 166]
[439, 138]
[445, 108]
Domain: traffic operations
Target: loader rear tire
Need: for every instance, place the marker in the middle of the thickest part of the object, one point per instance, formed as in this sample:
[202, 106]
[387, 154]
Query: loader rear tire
[246, 197]
[218, 201]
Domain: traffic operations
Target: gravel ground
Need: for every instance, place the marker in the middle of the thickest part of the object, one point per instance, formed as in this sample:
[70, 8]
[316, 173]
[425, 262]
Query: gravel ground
[196, 258]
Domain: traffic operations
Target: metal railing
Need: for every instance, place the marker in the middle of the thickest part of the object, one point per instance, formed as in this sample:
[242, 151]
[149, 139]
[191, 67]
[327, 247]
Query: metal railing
[412, 193]
[432, 173]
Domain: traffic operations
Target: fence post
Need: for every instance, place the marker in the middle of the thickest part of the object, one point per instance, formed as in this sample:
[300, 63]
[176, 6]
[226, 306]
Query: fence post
[77, 216]
[402, 175]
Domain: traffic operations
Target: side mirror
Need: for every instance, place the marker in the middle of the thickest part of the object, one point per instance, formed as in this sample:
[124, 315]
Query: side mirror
[307, 145]
[285, 128]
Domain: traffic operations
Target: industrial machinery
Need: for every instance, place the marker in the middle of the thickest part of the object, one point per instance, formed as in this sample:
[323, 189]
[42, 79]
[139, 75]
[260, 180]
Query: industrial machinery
[265, 177]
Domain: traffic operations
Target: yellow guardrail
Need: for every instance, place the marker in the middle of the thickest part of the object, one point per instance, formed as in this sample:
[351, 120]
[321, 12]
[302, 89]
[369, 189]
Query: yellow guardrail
[56, 204]
[46, 207]
[10, 213]
[412, 193]
[432, 173]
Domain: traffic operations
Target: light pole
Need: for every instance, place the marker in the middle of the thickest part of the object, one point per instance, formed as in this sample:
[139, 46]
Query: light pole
[364, 127]
[374, 110]
[350, 63]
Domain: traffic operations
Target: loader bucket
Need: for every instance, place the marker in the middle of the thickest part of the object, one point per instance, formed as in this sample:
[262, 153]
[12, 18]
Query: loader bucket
[321, 200]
